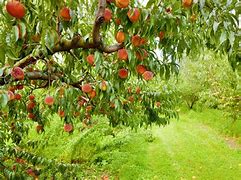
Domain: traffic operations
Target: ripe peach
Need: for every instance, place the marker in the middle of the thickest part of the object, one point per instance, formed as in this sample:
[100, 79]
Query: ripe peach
[20, 161]
[92, 94]
[143, 41]
[19, 86]
[120, 37]
[61, 113]
[49, 100]
[88, 108]
[39, 128]
[31, 97]
[68, 127]
[91, 59]
[187, 3]
[12, 88]
[107, 15]
[134, 15]
[136, 40]
[17, 73]
[138, 90]
[123, 73]
[122, 3]
[65, 14]
[18, 96]
[158, 104]
[15, 9]
[86, 88]
[30, 105]
[122, 54]
[131, 99]
[118, 21]
[10, 95]
[31, 116]
[103, 85]
[140, 69]
[161, 35]
[148, 75]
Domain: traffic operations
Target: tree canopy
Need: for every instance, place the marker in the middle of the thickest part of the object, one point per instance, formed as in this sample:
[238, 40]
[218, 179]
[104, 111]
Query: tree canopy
[83, 58]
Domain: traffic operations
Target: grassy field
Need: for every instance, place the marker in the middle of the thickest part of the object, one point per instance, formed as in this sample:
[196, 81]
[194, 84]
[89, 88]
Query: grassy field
[200, 145]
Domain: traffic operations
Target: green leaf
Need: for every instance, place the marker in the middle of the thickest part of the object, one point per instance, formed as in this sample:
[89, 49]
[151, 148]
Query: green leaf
[201, 3]
[3, 99]
[15, 33]
[215, 26]
[231, 38]
[223, 37]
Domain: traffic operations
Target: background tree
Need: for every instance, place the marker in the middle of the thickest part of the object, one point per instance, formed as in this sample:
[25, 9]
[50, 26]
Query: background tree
[96, 57]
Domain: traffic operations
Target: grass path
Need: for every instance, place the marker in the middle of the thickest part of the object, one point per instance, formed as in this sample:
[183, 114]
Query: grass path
[184, 150]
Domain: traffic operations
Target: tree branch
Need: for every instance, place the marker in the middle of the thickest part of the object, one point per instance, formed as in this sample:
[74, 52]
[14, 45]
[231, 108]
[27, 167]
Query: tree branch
[66, 45]
[112, 48]
[99, 19]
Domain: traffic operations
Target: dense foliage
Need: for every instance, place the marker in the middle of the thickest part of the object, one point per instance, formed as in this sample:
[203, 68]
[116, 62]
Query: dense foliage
[59, 57]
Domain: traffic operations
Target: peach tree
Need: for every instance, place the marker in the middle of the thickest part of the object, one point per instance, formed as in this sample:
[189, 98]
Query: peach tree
[83, 58]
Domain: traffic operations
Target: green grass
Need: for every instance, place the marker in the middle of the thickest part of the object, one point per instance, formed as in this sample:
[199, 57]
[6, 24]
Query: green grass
[186, 149]
[194, 147]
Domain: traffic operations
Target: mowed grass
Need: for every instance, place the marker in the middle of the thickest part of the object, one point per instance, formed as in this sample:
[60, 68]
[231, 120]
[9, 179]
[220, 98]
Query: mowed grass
[185, 149]
[194, 147]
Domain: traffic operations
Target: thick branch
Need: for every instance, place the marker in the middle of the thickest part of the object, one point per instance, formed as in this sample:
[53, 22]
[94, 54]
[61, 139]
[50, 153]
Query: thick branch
[26, 61]
[99, 19]
[112, 48]
[36, 75]
[75, 43]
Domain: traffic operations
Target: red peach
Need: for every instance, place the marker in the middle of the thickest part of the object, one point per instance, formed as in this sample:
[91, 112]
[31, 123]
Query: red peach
[15, 9]
[134, 15]
[61, 113]
[49, 100]
[17, 73]
[136, 40]
[18, 96]
[187, 3]
[65, 14]
[158, 104]
[148, 75]
[91, 59]
[122, 3]
[123, 73]
[122, 54]
[31, 97]
[92, 94]
[118, 21]
[120, 37]
[68, 127]
[161, 35]
[31, 116]
[138, 90]
[140, 69]
[107, 15]
[86, 88]
[30, 105]
[39, 128]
